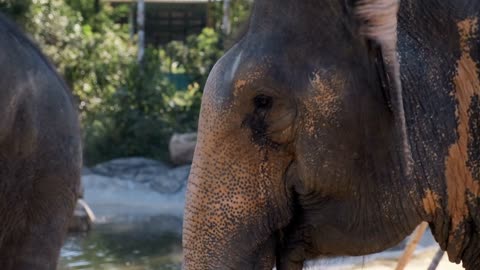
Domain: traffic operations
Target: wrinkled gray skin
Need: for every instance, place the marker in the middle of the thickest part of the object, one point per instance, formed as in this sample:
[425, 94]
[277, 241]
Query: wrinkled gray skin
[302, 150]
[40, 155]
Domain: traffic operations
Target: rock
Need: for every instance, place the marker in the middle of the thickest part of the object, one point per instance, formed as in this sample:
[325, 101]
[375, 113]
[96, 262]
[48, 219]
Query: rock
[182, 147]
[86, 171]
[172, 181]
[134, 169]
[113, 199]
[135, 187]
[153, 174]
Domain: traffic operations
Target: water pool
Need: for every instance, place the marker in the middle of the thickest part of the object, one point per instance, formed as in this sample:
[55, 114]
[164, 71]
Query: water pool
[131, 244]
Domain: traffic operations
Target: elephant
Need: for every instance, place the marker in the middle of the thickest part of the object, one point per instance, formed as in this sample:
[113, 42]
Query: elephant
[333, 128]
[40, 155]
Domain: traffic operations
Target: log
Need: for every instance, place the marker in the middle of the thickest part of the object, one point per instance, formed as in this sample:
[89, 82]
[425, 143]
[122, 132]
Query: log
[412, 244]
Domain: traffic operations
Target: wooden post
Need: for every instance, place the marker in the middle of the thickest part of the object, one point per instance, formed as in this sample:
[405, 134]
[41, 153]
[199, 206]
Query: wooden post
[141, 29]
[436, 260]
[226, 25]
[208, 21]
[131, 20]
[96, 6]
[412, 244]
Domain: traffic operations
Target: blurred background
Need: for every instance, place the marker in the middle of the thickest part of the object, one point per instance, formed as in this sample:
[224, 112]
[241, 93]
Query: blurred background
[137, 69]
[131, 106]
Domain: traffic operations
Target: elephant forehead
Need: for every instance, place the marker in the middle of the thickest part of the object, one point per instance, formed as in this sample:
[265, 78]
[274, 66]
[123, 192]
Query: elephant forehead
[252, 74]
[323, 102]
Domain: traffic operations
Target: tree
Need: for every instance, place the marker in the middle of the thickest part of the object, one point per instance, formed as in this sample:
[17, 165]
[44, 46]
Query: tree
[96, 6]
[226, 25]
[141, 29]
[16, 9]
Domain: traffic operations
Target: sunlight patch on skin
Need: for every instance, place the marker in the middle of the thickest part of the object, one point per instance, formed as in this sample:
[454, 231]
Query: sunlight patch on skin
[431, 202]
[240, 84]
[458, 175]
[235, 65]
[325, 103]
[253, 75]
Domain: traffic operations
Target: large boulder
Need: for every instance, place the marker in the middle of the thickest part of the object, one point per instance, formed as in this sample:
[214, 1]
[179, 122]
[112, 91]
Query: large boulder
[134, 169]
[171, 181]
[150, 173]
[135, 187]
[182, 147]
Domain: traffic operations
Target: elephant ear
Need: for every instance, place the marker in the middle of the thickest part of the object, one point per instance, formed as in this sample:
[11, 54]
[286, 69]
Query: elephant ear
[378, 24]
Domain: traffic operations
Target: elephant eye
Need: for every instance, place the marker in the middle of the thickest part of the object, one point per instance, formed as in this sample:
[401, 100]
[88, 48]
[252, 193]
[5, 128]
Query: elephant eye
[263, 102]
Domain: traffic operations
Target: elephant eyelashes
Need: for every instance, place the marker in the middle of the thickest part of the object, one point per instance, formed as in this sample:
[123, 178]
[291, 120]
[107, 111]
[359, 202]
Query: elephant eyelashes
[257, 122]
[263, 102]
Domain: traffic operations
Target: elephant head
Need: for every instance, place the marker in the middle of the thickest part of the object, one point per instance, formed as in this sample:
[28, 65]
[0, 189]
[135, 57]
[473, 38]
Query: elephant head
[302, 150]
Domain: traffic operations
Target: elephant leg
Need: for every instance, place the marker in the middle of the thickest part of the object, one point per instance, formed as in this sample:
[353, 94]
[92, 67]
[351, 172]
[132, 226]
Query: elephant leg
[36, 245]
[39, 249]
[290, 266]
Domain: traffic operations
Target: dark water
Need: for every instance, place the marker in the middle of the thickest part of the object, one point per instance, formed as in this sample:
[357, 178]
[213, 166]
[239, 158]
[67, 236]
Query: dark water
[134, 244]
[154, 243]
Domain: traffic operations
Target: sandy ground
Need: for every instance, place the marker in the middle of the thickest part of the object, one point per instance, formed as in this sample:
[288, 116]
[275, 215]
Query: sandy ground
[419, 262]
[387, 260]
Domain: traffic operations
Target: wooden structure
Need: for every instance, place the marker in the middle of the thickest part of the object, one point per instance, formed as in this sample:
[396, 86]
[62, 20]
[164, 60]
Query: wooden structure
[167, 20]
[410, 249]
[408, 252]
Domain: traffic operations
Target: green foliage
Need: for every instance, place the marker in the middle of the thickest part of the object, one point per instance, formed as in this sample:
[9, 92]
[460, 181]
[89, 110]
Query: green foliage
[92, 62]
[199, 53]
[125, 109]
[87, 8]
[16, 9]
[197, 56]
[239, 13]
[143, 114]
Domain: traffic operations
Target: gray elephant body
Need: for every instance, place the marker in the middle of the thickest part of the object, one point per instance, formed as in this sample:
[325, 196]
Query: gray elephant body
[40, 155]
[310, 146]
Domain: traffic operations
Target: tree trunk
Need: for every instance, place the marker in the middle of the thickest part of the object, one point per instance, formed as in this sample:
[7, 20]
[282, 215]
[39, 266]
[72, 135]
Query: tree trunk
[209, 14]
[96, 6]
[226, 24]
[131, 20]
[141, 29]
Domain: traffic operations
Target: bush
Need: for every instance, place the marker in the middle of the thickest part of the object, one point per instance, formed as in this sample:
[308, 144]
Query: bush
[125, 109]
[16, 9]
[93, 63]
[139, 118]
[197, 55]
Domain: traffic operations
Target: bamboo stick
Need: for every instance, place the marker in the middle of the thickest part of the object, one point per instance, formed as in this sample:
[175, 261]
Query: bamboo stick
[412, 244]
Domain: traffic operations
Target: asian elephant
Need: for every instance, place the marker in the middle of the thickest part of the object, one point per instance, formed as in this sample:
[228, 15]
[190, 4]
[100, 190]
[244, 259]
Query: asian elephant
[40, 155]
[333, 128]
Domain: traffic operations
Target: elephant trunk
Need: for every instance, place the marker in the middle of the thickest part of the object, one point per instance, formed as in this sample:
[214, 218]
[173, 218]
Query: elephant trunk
[222, 229]
[236, 202]
[207, 245]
